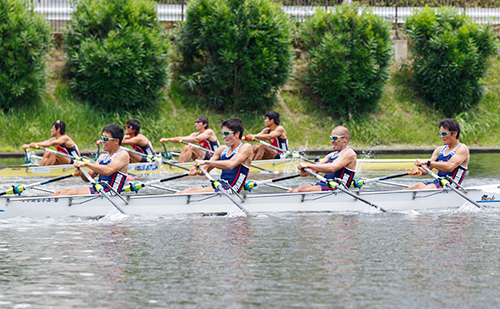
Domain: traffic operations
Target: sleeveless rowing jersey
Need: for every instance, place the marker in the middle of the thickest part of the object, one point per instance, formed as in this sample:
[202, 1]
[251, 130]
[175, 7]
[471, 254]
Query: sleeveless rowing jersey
[345, 174]
[115, 180]
[146, 149]
[208, 144]
[458, 173]
[279, 142]
[237, 176]
[72, 151]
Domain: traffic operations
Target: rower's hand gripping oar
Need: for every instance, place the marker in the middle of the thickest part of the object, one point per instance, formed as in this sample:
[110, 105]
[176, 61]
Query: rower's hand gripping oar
[100, 189]
[216, 184]
[249, 185]
[358, 183]
[136, 186]
[447, 184]
[63, 154]
[21, 188]
[334, 185]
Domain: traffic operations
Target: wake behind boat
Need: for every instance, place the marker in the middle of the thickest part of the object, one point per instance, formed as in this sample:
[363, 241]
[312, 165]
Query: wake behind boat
[156, 168]
[206, 203]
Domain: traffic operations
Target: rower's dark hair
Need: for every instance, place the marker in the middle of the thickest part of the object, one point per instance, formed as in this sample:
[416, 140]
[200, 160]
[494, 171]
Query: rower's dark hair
[58, 124]
[274, 116]
[136, 125]
[450, 124]
[116, 131]
[235, 124]
[203, 120]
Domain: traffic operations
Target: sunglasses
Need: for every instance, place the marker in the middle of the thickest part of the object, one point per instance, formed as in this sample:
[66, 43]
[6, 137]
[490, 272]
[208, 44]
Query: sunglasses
[226, 133]
[107, 139]
[129, 127]
[445, 133]
[334, 138]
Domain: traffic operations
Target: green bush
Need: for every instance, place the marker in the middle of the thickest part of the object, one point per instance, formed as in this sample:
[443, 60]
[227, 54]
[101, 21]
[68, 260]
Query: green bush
[118, 53]
[24, 41]
[238, 51]
[450, 56]
[349, 55]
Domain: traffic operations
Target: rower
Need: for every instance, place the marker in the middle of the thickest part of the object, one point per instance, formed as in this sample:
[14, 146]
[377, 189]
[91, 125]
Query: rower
[111, 167]
[451, 159]
[139, 142]
[204, 136]
[63, 144]
[233, 159]
[275, 134]
[339, 164]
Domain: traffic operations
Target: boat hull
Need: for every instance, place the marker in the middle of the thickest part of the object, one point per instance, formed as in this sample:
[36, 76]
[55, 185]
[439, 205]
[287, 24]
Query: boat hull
[143, 169]
[166, 204]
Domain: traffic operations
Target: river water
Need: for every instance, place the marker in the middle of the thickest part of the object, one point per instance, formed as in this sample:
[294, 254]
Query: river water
[433, 259]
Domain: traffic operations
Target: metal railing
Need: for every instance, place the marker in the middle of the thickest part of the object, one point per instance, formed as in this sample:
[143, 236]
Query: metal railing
[58, 12]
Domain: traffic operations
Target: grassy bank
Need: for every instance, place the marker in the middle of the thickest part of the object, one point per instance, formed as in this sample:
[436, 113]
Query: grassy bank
[403, 120]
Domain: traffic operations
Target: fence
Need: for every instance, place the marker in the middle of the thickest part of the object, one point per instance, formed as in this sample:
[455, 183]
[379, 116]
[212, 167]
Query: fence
[58, 12]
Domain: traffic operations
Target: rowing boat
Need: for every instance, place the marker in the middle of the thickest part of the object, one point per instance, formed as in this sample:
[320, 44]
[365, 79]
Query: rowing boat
[280, 166]
[207, 203]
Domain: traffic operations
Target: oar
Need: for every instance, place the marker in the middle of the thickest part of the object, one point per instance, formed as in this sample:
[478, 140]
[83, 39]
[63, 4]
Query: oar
[289, 153]
[445, 183]
[150, 157]
[100, 189]
[358, 183]
[249, 185]
[334, 185]
[63, 154]
[218, 185]
[136, 186]
[212, 152]
[20, 188]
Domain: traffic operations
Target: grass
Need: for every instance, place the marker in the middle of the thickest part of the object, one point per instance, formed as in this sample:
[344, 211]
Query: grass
[403, 119]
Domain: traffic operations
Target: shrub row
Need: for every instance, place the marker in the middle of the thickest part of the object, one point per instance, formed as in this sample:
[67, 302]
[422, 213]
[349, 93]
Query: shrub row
[238, 53]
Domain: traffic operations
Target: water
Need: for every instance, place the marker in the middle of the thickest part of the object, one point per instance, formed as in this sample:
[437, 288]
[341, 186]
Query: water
[430, 259]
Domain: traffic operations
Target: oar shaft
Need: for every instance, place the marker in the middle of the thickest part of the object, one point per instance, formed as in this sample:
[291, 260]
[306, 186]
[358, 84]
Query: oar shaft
[339, 187]
[20, 188]
[278, 179]
[100, 189]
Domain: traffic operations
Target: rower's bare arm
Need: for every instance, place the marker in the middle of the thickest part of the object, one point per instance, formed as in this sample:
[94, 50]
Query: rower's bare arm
[47, 143]
[346, 159]
[207, 134]
[265, 135]
[244, 156]
[461, 157]
[136, 140]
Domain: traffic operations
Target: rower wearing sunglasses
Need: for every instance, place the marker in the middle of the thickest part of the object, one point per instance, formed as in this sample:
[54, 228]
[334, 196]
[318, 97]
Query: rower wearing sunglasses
[233, 159]
[275, 134]
[451, 159]
[339, 164]
[112, 166]
[139, 142]
[205, 137]
[63, 144]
